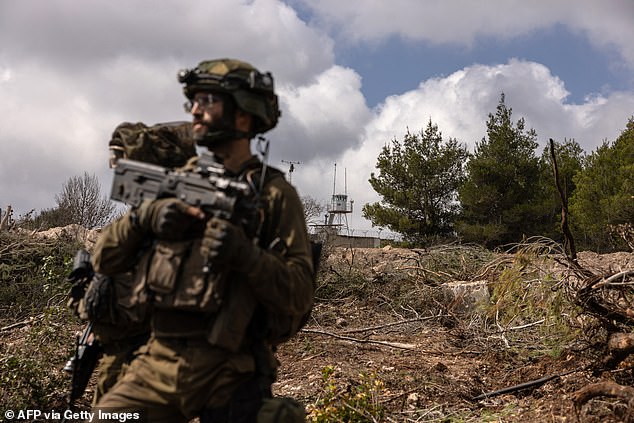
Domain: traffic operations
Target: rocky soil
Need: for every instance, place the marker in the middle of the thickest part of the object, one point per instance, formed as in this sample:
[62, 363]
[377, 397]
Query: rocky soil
[436, 354]
[401, 335]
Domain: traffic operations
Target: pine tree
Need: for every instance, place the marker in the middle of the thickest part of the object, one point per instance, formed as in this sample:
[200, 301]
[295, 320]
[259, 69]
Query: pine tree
[418, 181]
[604, 196]
[501, 197]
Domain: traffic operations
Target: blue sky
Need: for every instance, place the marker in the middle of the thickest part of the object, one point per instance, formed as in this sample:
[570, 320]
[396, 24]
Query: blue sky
[351, 76]
[585, 69]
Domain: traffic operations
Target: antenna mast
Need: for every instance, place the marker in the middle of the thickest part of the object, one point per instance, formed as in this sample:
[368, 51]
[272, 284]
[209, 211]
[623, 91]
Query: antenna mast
[334, 181]
[291, 169]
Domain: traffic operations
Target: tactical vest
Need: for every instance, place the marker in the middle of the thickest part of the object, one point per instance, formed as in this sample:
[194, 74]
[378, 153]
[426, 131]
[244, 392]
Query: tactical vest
[186, 294]
[175, 277]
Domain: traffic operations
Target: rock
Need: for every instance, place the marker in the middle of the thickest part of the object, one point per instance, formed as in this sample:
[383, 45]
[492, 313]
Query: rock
[341, 322]
[88, 237]
[467, 295]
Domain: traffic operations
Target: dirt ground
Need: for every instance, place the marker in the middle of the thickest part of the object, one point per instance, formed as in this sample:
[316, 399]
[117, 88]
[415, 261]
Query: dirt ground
[432, 367]
[386, 332]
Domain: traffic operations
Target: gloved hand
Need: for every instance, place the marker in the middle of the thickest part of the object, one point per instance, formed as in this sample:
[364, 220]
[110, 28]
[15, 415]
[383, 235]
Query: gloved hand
[167, 218]
[226, 243]
[98, 297]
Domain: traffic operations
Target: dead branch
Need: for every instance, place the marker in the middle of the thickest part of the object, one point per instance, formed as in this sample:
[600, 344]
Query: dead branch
[569, 241]
[363, 341]
[611, 280]
[400, 322]
[527, 325]
[604, 389]
[531, 384]
[587, 299]
[26, 322]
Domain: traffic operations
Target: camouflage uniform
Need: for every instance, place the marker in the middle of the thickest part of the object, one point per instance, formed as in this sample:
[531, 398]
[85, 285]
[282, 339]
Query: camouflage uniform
[119, 331]
[212, 334]
[121, 328]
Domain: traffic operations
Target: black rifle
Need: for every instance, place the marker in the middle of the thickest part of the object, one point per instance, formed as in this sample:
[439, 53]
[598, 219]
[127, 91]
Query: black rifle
[208, 187]
[82, 364]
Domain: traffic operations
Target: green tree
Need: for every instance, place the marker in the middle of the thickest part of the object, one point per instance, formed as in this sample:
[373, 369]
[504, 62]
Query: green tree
[500, 199]
[603, 196]
[418, 181]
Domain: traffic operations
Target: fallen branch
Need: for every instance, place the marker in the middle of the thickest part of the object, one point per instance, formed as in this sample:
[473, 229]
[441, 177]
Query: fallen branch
[604, 389]
[531, 384]
[363, 341]
[611, 280]
[527, 325]
[16, 325]
[400, 322]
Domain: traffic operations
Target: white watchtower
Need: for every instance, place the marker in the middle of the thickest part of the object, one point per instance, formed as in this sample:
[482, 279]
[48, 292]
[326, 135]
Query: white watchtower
[339, 208]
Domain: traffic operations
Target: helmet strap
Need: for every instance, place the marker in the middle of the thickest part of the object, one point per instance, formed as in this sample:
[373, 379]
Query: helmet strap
[262, 148]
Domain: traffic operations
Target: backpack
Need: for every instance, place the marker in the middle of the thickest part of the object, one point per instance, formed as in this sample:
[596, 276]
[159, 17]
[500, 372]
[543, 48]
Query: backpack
[101, 299]
[279, 328]
[168, 144]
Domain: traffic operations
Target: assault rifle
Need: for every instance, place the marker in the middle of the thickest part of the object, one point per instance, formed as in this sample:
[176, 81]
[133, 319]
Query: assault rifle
[82, 364]
[208, 187]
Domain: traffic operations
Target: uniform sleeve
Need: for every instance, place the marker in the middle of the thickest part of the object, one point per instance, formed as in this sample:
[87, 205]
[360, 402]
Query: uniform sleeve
[117, 248]
[282, 279]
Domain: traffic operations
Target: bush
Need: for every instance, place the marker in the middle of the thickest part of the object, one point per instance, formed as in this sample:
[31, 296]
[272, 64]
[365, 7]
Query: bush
[356, 401]
[33, 273]
[38, 336]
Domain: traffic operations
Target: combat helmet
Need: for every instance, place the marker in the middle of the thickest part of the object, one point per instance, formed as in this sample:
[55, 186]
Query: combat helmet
[252, 91]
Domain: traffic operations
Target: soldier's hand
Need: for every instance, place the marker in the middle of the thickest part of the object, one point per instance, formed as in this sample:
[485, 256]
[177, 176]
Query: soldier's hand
[167, 218]
[98, 298]
[227, 243]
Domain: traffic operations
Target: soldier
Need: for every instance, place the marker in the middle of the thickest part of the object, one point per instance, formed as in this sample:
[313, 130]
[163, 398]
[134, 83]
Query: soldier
[120, 329]
[222, 293]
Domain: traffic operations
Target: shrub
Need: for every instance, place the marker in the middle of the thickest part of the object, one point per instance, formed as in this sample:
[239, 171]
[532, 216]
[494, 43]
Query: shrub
[355, 401]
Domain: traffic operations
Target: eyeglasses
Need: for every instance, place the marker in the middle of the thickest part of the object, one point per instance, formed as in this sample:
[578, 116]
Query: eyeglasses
[203, 100]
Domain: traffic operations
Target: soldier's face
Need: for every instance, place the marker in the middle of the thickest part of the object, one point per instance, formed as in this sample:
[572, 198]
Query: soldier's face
[207, 111]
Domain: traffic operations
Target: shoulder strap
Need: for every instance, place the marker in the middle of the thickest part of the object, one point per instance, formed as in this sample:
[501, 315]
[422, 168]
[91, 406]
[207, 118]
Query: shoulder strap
[253, 175]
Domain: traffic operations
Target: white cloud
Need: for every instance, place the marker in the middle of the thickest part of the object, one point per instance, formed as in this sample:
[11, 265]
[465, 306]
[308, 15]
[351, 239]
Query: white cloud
[460, 104]
[71, 71]
[75, 36]
[605, 23]
[322, 118]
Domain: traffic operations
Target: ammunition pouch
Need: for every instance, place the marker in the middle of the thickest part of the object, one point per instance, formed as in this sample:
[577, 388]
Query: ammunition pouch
[98, 299]
[109, 304]
[178, 279]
